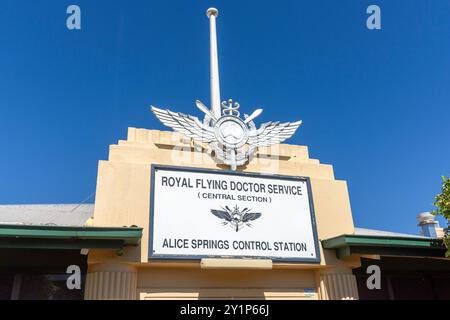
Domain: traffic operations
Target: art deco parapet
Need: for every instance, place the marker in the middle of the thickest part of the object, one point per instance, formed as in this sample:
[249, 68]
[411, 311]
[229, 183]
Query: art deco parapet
[153, 146]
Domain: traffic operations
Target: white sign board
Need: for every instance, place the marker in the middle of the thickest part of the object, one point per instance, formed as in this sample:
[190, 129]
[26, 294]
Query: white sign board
[198, 213]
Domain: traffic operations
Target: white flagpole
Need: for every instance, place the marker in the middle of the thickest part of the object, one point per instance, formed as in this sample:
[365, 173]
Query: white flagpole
[212, 14]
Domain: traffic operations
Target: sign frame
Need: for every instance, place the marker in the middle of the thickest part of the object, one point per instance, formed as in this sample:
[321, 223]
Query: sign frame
[152, 256]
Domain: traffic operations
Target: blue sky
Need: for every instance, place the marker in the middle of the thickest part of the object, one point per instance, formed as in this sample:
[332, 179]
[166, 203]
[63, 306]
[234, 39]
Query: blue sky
[375, 104]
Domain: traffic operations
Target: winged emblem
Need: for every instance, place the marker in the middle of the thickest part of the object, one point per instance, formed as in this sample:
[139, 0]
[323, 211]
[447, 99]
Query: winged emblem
[233, 140]
[236, 218]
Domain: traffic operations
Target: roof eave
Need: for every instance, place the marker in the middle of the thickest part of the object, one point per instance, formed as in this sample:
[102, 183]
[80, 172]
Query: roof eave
[58, 237]
[350, 244]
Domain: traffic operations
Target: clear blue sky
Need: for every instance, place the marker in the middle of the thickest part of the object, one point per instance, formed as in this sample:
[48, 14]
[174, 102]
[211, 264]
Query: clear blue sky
[375, 104]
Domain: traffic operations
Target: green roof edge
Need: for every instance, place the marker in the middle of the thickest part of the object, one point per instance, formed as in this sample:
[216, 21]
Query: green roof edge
[349, 244]
[76, 236]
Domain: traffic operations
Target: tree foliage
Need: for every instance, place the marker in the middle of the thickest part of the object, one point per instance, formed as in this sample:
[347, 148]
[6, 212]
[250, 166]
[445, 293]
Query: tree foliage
[442, 204]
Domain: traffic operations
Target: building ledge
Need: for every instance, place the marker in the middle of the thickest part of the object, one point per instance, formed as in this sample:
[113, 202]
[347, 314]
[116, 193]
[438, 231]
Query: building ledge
[212, 263]
[60, 237]
[348, 245]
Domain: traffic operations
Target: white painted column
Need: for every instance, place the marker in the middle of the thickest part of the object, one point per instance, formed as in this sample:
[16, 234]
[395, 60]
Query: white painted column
[212, 14]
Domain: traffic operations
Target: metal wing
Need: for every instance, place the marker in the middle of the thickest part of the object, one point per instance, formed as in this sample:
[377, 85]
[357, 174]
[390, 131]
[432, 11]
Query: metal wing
[187, 125]
[250, 216]
[272, 133]
[222, 215]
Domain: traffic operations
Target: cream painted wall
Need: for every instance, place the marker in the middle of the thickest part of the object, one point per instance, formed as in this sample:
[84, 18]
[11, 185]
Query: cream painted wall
[224, 284]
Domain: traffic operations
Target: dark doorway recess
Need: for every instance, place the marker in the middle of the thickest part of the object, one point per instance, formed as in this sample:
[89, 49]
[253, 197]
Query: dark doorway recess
[406, 279]
[37, 274]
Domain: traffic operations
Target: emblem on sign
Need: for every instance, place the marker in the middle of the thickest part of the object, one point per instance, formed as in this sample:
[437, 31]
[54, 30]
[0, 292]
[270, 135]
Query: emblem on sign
[233, 140]
[236, 219]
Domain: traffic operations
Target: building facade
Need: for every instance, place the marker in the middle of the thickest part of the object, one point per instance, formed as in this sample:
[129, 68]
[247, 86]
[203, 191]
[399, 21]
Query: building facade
[123, 199]
[122, 249]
